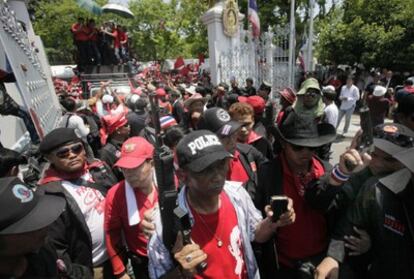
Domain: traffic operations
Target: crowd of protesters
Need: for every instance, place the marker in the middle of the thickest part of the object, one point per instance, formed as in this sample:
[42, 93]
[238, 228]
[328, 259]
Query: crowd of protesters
[94, 212]
[106, 45]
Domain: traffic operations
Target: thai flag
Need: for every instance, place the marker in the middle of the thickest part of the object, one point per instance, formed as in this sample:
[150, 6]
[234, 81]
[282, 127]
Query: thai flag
[253, 16]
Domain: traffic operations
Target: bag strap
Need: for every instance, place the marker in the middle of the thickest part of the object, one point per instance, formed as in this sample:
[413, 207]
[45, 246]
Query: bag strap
[69, 115]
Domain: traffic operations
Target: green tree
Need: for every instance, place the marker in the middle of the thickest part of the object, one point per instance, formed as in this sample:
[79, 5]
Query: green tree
[166, 30]
[158, 30]
[374, 33]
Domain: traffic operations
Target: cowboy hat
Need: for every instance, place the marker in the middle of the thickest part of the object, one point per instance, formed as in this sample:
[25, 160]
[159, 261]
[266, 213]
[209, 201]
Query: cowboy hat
[302, 131]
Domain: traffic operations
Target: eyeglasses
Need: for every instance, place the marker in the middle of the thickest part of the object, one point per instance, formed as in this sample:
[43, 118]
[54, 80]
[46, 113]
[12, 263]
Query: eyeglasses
[394, 137]
[64, 152]
[298, 148]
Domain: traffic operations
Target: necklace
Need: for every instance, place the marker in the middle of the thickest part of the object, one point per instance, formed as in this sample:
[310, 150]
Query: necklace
[218, 239]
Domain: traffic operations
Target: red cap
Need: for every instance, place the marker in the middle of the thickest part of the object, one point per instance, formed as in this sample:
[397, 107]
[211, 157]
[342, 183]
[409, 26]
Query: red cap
[257, 102]
[160, 92]
[134, 152]
[289, 95]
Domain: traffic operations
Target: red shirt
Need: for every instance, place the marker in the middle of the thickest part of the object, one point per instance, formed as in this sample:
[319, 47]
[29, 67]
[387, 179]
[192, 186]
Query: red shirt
[116, 224]
[81, 33]
[123, 37]
[308, 235]
[117, 42]
[236, 169]
[228, 260]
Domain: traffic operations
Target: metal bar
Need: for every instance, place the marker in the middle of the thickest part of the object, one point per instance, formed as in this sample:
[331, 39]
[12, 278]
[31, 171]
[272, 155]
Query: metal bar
[292, 45]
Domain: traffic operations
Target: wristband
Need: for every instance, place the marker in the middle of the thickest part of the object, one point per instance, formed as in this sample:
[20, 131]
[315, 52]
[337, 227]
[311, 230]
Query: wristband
[338, 175]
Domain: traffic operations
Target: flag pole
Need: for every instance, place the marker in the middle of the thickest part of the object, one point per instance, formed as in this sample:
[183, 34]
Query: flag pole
[310, 44]
[292, 47]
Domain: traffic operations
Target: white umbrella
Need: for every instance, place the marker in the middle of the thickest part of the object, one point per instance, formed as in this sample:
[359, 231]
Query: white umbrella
[118, 9]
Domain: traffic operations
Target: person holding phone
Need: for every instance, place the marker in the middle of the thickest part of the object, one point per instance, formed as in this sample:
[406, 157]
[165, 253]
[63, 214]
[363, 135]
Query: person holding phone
[223, 218]
[294, 173]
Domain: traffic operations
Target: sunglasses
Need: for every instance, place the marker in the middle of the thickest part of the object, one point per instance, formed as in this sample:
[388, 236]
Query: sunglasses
[64, 152]
[311, 94]
[298, 148]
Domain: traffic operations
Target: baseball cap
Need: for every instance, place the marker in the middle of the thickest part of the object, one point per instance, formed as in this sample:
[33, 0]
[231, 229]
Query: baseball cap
[57, 138]
[257, 102]
[393, 138]
[134, 152]
[199, 149]
[219, 121]
[24, 210]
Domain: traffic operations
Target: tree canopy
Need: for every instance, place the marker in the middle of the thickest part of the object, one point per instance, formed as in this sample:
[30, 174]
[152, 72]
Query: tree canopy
[158, 31]
[374, 33]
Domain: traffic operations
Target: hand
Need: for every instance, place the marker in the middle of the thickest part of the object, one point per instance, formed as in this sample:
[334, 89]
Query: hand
[286, 218]
[188, 256]
[328, 269]
[358, 245]
[146, 225]
[354, 158]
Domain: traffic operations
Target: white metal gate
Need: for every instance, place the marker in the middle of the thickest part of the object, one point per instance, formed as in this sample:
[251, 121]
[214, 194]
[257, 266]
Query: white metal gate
[266, 59]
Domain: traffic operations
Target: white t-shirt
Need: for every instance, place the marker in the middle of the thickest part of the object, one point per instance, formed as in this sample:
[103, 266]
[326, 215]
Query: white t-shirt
[331, 114]
[92, 205]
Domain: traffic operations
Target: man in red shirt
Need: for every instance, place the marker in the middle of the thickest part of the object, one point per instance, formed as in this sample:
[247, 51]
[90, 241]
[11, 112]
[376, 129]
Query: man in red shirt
[114, 33]
[81, 36]
[378, 105]
[129, 208]
[290, 174]
[223, 218]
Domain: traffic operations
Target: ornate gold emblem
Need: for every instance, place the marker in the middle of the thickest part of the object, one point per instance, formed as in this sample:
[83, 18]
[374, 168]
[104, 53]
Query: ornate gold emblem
[231, 18]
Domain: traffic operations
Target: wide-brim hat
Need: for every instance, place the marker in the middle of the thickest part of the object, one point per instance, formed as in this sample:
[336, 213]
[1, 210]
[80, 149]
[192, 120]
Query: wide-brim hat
[393, 138]
[406, 157]
[288, 94]
[308, 84]
[301, 131]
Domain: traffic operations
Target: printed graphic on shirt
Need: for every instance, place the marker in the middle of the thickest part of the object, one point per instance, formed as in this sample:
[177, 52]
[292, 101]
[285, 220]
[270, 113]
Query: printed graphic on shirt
[236, 250]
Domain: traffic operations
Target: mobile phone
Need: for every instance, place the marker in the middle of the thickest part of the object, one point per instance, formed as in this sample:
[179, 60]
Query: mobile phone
[279, 206]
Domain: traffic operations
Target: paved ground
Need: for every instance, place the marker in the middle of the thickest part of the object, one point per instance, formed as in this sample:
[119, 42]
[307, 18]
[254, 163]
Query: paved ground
[340, 145]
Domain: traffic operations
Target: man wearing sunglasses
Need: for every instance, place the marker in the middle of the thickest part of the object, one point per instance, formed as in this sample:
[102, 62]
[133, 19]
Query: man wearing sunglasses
[292, 173]
[78, 234]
